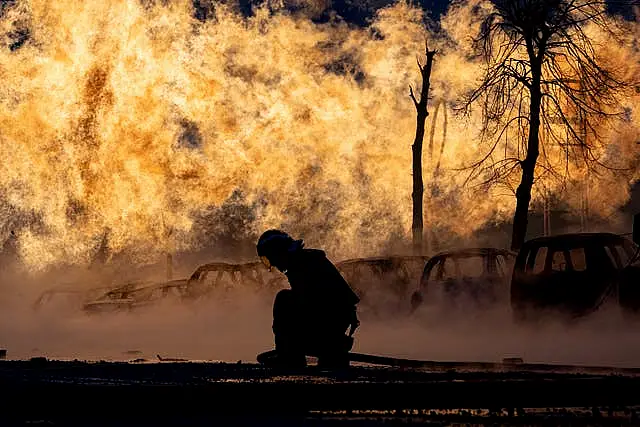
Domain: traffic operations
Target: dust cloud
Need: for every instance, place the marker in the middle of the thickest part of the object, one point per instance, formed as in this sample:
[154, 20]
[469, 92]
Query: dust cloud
[604, 339]
[236, 325]
[225, 326]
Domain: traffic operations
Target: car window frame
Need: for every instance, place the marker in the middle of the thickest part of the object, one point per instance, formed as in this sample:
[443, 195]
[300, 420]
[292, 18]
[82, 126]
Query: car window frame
[570, 258]
[442, 263]
[565, 253]
[484, 259]
[532, 257]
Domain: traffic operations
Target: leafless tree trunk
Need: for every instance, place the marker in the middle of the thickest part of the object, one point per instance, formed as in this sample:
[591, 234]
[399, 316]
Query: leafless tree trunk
[535, 49]
[421, 117]
[528, 165]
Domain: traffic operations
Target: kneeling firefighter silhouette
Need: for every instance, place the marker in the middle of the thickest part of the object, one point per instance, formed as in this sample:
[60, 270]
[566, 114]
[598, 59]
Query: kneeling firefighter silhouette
[311, 318]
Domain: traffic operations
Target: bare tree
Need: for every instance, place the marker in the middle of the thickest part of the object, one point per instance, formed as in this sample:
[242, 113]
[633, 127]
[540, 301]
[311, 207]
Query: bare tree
[542, 68]
[421, 117]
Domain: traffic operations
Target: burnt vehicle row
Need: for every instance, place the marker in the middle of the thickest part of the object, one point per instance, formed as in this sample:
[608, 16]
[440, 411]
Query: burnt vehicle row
[382, 283]
[571, 275]
[205, 280]
[566, 276]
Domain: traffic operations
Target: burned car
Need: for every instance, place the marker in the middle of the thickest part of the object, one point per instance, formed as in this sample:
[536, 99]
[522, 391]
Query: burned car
[572, 275]
[67, 296]
[475, 277]
[208, 279]
[225, 276]
[382, 283]
[134, 295]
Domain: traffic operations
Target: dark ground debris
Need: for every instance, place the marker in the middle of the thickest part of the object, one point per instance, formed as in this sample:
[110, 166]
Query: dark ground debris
[43, 392]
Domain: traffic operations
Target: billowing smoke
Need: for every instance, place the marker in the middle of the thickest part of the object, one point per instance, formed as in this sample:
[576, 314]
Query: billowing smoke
[132, 124]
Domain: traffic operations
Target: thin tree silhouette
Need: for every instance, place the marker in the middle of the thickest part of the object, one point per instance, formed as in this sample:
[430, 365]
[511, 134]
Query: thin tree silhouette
[422, 113]
[542, 69]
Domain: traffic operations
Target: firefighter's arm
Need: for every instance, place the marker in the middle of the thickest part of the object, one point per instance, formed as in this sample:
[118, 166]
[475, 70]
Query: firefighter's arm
[346, 296]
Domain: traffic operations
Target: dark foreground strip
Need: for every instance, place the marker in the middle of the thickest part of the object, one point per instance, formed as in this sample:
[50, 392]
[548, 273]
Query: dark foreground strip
[62, 390]
[439, 366]
[490, 366]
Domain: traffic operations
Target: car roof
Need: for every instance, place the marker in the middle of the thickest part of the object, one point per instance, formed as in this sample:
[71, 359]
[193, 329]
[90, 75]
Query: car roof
[469, 252]
[133, 287]
[228, 266]
[574, 238]
[373, 260]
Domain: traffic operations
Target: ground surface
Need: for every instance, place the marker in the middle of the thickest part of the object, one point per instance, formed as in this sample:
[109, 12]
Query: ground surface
[183, 393]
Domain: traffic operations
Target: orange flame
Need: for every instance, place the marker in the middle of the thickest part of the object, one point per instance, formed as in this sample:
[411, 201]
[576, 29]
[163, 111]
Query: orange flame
[132, 116]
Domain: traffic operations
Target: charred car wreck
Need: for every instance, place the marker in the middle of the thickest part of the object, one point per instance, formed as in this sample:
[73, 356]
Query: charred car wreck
[220, 276]
[383, 283]
[465, 278]
[134, 295]
[572, 275]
